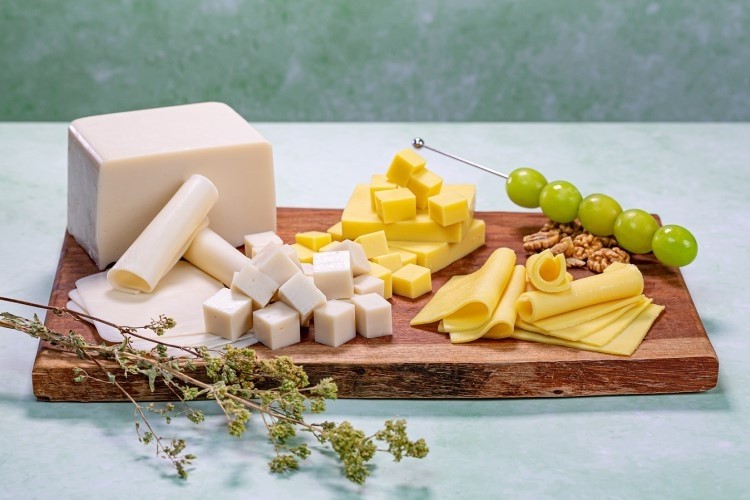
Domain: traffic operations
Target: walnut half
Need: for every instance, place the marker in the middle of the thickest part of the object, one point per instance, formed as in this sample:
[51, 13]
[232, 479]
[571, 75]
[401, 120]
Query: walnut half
[601, 259]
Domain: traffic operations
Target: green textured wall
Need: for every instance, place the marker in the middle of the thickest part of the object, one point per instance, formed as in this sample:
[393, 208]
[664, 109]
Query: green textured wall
[469, 60]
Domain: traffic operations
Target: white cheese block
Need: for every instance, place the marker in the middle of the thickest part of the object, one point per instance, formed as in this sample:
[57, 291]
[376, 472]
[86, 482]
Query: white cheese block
[277, 326]
[124, 167]
[275, 263]
[228, 314]
[360, 264]
[302, 295]
[255, 284]
[166, 237]
[334, 323]
[214, 255]
[373, 315]
[332, 273]
[254, 243]
[367, 283]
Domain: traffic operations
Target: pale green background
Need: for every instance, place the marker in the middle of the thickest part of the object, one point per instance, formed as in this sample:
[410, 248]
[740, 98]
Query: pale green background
[426, 60]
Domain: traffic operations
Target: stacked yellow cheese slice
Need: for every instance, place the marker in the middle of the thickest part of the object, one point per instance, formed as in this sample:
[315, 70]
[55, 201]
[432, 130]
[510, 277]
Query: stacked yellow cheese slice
[419, 215]
[604, 313]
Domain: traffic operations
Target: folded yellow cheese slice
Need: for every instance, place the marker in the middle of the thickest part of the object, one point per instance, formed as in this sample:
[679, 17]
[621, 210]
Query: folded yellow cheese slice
[606, 334]
[623, 344]
[626, 281]
[548, 272]
[500, 324]
[466, 302]
[581, 316]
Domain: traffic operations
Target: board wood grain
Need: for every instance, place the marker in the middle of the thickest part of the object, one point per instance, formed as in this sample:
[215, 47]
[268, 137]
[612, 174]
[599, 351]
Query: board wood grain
[676, 356]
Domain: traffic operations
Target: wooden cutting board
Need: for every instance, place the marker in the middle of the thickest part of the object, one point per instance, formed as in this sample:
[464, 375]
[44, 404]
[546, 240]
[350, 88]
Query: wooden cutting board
[676, 356]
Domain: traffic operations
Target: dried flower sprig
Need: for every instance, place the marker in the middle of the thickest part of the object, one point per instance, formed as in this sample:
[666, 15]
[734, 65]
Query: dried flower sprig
[238, 381]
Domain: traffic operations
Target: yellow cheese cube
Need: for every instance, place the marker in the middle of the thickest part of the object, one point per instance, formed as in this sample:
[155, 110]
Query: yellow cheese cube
[448, 208]
[468, 191]
[412, 281]
[379, 182]
[390, 260]
[424, 184]
[406, 257]
[384, 274]
[404, 164]
[314, 240]
[359, 219]
[395, 205]
[374, 244]
[436, 256]
[304, 253]
[336, 232]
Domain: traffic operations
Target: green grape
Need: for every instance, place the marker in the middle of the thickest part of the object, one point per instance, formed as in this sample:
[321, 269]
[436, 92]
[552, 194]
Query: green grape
[559, 201]
[598, 213]
[674, 246]
[634, 230]
[523, 187]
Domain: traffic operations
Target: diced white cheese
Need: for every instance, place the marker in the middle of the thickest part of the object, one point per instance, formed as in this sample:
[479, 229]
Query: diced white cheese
[277, 325]
[292, 254]
[333, 274]
[215, 256]
[228, 314]
[276, 264]
[254, 283]
[334, 323]
[307, 269]
[302, 295]
[124, 167]
[373, 315]
[359, 262]
[368, 283]
[254, 243]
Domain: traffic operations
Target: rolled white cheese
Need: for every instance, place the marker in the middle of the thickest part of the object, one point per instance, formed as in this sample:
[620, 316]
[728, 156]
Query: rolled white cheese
[166, 238]
[213, 255]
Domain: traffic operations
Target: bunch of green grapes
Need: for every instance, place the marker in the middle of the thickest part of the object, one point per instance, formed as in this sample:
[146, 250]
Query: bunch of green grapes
[635, 230]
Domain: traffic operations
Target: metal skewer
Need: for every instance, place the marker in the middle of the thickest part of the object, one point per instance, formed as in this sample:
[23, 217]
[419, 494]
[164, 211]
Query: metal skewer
[419, 143]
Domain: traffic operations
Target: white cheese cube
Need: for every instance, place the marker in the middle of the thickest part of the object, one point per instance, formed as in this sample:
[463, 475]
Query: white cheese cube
[254, 283]
[367, 283]
[277, 325]
[276, 264]
[302, 295]
[334, 323]
[228, 314]
[292, 254]
[359, 262]
[254, 243]
[124, 167]
[332, 273]
[307, 269]
[373, 315]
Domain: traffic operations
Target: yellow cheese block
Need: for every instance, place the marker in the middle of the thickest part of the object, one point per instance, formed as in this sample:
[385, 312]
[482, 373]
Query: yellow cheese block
[548, 272]
[374, 244]
[406, 257]
[359, 218]
[581, 330]
[404, 164]
[436, 256]
[394, 205]
[448, 208]
[379, 182]
[305, 254]
[623, 344]
[503, 318]
[605, 335]
[314, 240]
[384, 274]
[424, 184]
[390, 260]
[620, 283]
[336, 232]
[580, 316]
[412, 281]
[466, 302]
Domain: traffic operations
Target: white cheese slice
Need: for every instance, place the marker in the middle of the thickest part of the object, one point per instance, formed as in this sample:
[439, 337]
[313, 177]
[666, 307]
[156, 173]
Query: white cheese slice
[214, 255]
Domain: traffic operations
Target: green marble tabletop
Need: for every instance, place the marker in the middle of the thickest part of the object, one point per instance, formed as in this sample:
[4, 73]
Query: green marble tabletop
[678, 446]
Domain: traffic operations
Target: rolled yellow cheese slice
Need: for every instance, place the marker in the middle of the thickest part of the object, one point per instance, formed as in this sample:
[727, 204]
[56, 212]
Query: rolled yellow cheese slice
[466, 302]
[213, 255]
[503, 317]
[620, 283]
[548, 272]
[165, 239]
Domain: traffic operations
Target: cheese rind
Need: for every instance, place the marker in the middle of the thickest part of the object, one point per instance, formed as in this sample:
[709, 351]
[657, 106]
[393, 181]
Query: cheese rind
[124, 167]
[166, 237]
[212, 254]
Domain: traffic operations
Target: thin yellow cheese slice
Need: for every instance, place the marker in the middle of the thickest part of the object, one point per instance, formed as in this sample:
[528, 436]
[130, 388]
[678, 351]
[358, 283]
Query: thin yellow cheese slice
[620, 283]
[579, 331]
[583, 315]
[605, 335]
[624, 344]
[548, 272]
[503, 317]
[467, 301]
